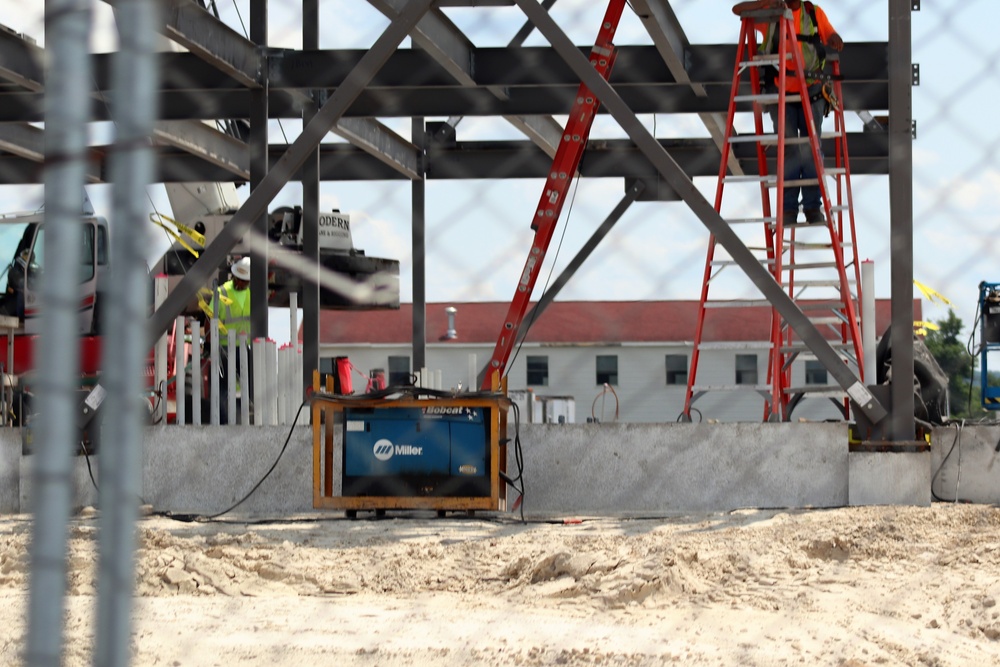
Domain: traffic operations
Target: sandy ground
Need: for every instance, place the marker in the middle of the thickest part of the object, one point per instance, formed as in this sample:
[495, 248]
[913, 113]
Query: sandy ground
[852, 587]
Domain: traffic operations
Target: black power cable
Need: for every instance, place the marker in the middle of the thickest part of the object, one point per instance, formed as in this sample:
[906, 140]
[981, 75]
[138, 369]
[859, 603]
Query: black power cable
[201, 519]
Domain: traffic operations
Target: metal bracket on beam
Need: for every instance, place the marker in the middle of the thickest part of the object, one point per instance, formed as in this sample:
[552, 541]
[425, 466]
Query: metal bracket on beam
[913, 129]
[915, 74]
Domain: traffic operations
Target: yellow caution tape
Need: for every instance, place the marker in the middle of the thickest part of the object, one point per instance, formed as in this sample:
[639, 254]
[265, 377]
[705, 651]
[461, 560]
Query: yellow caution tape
[931, 294]
[199, 238]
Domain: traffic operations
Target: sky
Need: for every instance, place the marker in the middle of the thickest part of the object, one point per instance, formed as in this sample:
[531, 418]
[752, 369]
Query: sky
[478, 231]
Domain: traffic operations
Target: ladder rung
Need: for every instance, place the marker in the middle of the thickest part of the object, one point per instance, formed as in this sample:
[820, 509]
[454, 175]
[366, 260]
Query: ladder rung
[765, 59]
[737, 303]
[766, 139]
[799, 182]
[768, 178]
[803, 348]
[731, 387]
[836, 171]
[821, 305]
[767, 98]
[807, 245]
[756, 345]
[809, 265]
[737, 221]
[818, 390]
[733, 262]
[821, 283]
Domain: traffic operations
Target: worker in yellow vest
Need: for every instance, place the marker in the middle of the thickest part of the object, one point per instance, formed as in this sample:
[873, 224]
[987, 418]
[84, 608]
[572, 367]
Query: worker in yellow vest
[234, 313]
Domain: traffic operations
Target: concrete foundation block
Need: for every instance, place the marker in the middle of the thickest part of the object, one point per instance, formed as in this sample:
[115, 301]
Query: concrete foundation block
[642, 468]
[84, 492]
[889, 478]
[965, 463]
[10, 470]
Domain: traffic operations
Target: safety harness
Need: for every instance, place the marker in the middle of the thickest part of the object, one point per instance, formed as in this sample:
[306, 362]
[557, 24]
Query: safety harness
[814, 56]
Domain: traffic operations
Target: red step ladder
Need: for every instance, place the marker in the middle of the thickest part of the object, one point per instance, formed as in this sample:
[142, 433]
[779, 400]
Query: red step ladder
[816, 264]
[564, 167]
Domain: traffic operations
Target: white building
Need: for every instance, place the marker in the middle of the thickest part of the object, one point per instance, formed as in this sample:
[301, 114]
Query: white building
[640, 349]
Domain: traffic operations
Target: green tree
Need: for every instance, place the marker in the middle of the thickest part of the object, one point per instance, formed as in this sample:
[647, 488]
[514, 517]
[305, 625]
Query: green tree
[955, 360]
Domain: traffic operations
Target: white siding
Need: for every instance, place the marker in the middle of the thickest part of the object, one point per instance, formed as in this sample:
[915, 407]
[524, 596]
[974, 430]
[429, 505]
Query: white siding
[642, 390]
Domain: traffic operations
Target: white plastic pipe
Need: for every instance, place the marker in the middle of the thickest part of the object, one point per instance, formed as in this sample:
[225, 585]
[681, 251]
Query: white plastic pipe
[282, 382]
[196, 379]
[245, 396]
[180, 371]
[271, 380]
[259, 389]
[160, 358]
[231, 377]
[213, 369]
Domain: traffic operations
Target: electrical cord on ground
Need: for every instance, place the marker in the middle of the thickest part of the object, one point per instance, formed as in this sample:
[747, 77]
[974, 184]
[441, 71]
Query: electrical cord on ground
[517, 483]
[604, 392]
[203, 519]
[680, 417]
[956, 442]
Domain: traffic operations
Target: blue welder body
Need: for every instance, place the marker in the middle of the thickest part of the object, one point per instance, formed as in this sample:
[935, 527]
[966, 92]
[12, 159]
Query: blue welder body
[433, 450]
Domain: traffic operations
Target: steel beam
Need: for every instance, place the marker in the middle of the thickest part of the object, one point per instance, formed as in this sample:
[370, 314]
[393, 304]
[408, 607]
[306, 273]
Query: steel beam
[901, 217]
[314, 131]
[211, 40]
[470, 160]
[450, 48]
[206, 142]
[23, 140]
[669, 39]
[439, 37]
[378, 140]
[21, 61]
[677, 179]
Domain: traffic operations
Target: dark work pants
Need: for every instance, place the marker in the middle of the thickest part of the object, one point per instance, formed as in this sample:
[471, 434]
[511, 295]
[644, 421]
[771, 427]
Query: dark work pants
[799, 164]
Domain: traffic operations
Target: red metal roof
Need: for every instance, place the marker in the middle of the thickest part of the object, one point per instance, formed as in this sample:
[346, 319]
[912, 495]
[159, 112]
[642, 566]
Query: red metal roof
[593, 322]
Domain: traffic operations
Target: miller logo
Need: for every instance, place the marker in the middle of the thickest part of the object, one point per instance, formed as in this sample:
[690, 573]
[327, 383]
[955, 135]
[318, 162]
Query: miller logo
[382, 450]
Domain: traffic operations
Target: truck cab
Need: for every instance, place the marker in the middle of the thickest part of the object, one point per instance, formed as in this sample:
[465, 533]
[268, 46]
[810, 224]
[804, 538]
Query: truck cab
[22, 264]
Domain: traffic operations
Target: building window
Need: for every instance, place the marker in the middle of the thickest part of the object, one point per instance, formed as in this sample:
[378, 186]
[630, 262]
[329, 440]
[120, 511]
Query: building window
[746, 369]
[607, 369]
[538, 371]
[815, 372]
[677, 369]
[399, 370]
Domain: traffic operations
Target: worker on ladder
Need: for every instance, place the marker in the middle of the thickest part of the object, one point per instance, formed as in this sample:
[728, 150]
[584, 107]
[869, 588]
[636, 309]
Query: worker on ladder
[814, 33]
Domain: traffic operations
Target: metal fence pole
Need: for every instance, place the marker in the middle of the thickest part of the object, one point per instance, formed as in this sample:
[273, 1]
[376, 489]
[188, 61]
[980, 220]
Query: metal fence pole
[134, 105]
[67, 78]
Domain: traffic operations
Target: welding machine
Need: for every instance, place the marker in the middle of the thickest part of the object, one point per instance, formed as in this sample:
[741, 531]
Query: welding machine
[432, 450]
[409, 448]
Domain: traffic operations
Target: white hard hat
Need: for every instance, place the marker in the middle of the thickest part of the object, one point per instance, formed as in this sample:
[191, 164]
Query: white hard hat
[241, 269]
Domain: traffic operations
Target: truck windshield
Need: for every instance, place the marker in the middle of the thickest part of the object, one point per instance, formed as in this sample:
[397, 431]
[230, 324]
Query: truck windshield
[13, 238]
[17, 237]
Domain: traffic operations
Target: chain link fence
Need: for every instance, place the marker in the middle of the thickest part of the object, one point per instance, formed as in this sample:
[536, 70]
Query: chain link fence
[615, 345]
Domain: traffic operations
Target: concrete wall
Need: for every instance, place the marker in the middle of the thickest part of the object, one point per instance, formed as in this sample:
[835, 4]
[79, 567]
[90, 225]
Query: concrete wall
[966, 464]
[683, 467]
[595, 468]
